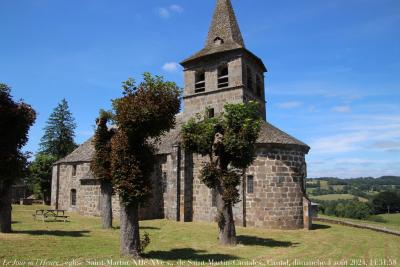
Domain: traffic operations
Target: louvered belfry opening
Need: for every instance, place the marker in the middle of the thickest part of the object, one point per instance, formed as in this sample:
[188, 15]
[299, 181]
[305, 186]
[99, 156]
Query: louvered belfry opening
[223, 76]
[200, 85]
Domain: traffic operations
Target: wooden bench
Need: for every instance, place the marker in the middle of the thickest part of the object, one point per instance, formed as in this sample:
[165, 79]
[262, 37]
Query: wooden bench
[55, 214]
[63, 217]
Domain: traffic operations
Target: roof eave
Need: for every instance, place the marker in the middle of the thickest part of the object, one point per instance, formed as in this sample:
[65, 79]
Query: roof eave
[195, 58]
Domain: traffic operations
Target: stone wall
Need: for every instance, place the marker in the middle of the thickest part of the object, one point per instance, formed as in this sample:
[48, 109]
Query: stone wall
[236, 92]
[277, 200]
[89, 200]
[170, 198]
[307, 213]
[203, 209]
[67, 182]
[88, 192]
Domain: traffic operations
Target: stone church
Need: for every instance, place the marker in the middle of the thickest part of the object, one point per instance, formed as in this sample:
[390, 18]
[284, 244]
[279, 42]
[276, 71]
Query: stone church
[273, 188]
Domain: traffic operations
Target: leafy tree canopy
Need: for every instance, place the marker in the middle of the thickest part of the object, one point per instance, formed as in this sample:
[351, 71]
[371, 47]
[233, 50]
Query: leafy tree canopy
[101, 162]
[40, 171]
[387, 201]
[145, 112]
[229, 141]
[58, 138]
[15, 120]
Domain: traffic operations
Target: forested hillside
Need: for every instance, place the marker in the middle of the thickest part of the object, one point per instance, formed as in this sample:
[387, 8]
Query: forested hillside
[358, 198]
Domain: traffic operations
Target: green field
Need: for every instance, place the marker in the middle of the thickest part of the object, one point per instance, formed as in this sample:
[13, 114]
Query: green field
[393, 219]
[324, 184]
[82, 240]
[390, 221]
[337, 197]
[310, 190]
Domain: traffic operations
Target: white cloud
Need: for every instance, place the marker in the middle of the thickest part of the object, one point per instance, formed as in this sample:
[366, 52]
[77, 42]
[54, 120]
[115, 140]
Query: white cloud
[338, 143]
[362, 133]
[289, 105]
[170, 67]
[312, 108]
[386, 145]
[166, 12]
[342, 109]
[176, 8]
[163, 12]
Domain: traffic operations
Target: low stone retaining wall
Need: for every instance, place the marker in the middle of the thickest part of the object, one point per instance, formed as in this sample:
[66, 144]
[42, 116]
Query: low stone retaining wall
[357, 225]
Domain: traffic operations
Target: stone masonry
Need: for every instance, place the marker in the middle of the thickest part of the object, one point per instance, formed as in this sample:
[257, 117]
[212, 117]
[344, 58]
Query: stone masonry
[272, 189]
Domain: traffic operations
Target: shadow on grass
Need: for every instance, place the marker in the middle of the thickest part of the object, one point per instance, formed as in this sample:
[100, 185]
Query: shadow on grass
[149, 228]
[141, 228]
[15, 222]
[54, 233]
[319, 226]
[188, 254]
[266, 242]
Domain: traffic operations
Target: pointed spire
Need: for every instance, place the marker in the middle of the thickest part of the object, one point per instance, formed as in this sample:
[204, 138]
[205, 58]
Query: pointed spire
[224, 27]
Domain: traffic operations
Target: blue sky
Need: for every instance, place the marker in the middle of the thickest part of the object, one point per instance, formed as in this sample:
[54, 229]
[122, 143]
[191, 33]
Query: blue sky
[333, 80]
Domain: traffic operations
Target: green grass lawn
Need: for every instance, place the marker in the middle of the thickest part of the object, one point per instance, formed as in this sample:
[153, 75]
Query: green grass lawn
[82, 239]
[337, 197]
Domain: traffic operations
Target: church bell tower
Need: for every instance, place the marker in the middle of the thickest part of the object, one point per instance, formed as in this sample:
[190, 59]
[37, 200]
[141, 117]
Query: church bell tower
[224, 71]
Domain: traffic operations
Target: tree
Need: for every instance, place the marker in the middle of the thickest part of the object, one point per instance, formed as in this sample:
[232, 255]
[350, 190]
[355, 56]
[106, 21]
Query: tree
[229, 142]
[101, 165]
[386, 202]
[40, 171]
[143, 114]
[58, 138]
[15, 120]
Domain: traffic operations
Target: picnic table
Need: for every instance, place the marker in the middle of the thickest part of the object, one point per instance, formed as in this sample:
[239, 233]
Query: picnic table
[52, 213]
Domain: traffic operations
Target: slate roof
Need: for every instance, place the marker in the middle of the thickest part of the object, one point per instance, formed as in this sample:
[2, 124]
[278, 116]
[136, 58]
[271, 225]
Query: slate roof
[269, 134]
[224, 25]
[83, 153]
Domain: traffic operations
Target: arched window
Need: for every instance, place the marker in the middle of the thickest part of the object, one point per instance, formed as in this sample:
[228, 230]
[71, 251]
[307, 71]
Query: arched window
[213, 198]
[223, 76]
[73, 197]
[250, 184]
[200, 82]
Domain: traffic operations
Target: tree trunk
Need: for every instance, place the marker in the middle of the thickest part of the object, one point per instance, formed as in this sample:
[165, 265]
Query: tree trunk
[226, 224]
[106, 204]
[5, 210]
[130, 238]
[47, 198]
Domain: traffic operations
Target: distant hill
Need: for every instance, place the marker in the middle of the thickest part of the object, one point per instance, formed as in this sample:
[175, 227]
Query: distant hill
[364, 187]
